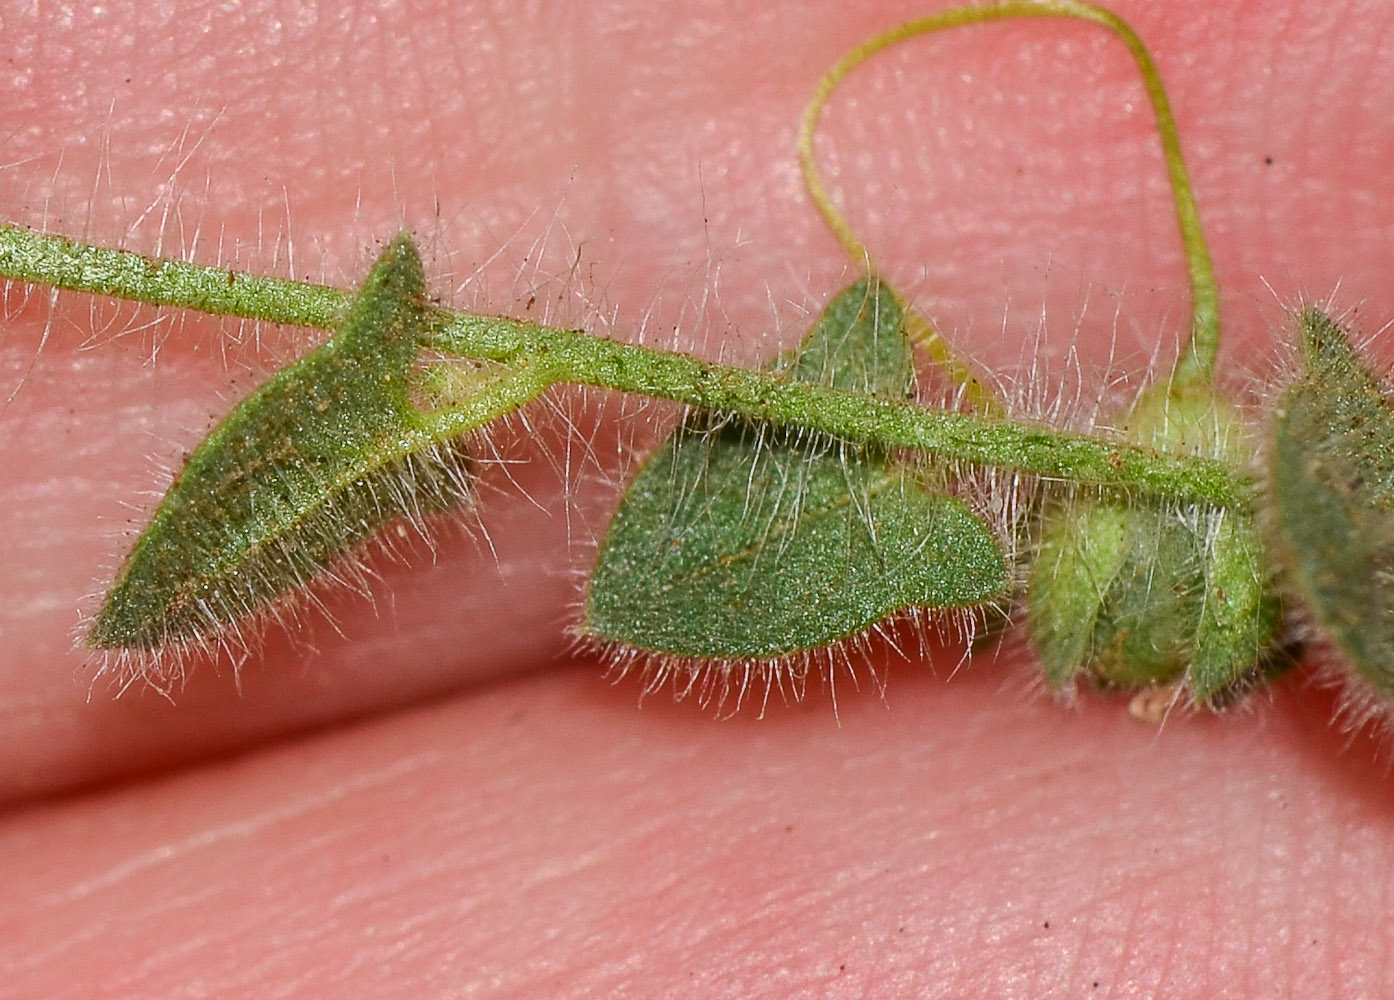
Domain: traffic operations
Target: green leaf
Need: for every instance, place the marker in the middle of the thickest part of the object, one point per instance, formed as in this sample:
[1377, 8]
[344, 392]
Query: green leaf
[301, 472]
[1083, 550]
[742, 540]
[1332, 489]
[1237, 635]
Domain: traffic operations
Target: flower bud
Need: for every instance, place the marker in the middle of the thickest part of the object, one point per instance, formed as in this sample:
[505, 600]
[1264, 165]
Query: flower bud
[1135, 592]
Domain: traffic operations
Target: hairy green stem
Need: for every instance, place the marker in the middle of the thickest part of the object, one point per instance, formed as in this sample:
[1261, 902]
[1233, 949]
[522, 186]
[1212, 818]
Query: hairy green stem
[549, 356]
[45, 259]
[578, 357]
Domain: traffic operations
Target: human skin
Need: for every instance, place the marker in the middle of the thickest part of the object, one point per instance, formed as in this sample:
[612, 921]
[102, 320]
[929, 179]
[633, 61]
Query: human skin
[439, 802]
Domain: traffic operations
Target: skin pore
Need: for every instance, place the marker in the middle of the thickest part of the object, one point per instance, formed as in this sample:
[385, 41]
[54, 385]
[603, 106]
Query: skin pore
[434, 802]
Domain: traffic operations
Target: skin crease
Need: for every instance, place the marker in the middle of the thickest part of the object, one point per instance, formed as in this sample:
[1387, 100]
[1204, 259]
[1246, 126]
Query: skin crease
[432, 803]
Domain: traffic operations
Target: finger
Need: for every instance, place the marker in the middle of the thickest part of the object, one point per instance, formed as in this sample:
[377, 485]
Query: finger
[627, 157]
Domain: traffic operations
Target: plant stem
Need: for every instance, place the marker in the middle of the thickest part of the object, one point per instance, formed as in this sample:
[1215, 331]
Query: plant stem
[45, 259]
[552, 355]
[578, 357]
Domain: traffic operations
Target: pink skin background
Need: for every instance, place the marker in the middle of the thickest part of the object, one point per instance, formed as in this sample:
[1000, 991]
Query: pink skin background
[435, 800]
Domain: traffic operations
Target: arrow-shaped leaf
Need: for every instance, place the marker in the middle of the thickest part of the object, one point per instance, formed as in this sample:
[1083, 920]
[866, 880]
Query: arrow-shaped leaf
[311, 465]
[1332, 482]
[741, 540]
